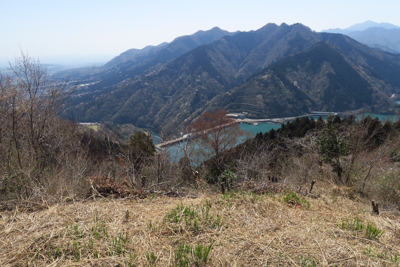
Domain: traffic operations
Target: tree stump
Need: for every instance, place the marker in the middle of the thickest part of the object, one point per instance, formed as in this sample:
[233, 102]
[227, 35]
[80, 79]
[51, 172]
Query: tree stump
[312, 185]
[375, 207]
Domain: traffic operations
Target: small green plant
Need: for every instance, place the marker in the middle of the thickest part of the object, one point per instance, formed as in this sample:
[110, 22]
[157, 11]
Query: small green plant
[99, 228]
[307, 261]
[292, 198]
[116, 245]
[228, 195]
[368, 251]
[254, 197]
[58, 253]
[202, 252]
[90, 245]
[151, 259]
[194, 218]
[372, 232]
[186, 255]
[74, 231]
[151, 227]
[357, 225]
[353, 225]
[132, 259]
[76, 250]
[119, 244]
[395, 258]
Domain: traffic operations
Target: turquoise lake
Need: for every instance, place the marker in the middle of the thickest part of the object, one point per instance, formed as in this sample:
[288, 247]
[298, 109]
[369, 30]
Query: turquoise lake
[262, 127]
[176, 150]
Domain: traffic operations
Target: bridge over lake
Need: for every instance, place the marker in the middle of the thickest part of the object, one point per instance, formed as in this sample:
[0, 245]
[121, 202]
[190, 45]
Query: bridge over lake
[247, 121]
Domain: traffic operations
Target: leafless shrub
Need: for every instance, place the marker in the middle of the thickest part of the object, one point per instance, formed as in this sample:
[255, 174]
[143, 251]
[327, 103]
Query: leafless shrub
[257, 165]
[39, 152]
[160, 172]
[296, 162]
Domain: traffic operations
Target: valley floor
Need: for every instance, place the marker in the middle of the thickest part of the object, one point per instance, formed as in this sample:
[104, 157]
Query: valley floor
[235, 229]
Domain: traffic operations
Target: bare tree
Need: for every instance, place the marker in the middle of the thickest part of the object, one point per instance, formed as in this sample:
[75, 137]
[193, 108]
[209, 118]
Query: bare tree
[32, 134]
[217, 134]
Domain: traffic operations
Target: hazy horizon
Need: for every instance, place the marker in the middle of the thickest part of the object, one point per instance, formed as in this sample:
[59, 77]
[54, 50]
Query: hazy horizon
[67, 60]
[82, 32]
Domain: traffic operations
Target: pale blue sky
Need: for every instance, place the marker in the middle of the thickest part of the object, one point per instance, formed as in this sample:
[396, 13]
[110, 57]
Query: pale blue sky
[78, 31]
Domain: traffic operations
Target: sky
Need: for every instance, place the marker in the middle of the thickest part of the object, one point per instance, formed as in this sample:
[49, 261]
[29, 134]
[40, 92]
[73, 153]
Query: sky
[94, 31]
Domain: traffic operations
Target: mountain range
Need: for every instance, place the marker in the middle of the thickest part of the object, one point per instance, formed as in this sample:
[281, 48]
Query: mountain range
[274, 71]
[138, 61]
[383, 36]
[362, 27]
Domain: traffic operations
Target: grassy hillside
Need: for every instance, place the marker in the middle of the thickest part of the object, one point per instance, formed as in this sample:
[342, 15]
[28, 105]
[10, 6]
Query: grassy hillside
[238, 229]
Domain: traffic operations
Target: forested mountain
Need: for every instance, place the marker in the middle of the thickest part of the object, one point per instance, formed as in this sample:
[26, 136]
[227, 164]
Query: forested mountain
[319, 79]
[301, 70]
[134, 54]
[135, 62]
[380, 38]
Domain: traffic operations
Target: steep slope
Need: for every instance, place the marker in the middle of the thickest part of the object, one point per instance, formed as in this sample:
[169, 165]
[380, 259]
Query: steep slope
[382, 68]
[383, 36]
[384, 39]
[94, 74]
[136, 62]
[165, 98]
[319, 79]
[133, 54]
[175, 93]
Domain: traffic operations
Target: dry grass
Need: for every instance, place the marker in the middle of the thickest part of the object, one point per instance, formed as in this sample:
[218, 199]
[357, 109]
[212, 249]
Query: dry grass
[254, 231]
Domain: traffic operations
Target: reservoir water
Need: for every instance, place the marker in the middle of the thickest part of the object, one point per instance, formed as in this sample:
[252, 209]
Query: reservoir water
[261, 127]
[176, 150]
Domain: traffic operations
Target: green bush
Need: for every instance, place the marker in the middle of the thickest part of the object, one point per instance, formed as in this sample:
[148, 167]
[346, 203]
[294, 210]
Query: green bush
[228, 177]
[332, 146]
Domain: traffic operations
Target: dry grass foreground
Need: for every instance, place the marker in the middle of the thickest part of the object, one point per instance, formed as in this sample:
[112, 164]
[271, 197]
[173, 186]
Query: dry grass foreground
[238, 229]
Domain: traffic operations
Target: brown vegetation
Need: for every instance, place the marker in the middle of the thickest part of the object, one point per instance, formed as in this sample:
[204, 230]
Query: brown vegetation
[36, 147]
[217, 134]
[297, 196]
[244, 229]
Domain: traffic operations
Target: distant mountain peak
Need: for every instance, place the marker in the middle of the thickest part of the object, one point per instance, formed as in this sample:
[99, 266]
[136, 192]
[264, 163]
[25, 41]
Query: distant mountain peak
[362, 26]
[216, 28]
[383, 36]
